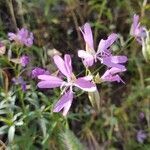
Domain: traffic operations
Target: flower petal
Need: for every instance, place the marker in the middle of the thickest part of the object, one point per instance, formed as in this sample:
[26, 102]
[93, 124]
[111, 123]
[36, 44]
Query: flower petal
[137, 31]
[135, 24]
[112, 78]
[64, 102]
[49, 78]
[61, 65]
[68, 64]
[111, 75]
[85, 85]
[88, 36]
[12, 36]
[83, 54]
[87, 78]
[119, 59]
[108, 62]
[88, 59]
[49, 81]
[48, 84]
[105, 44]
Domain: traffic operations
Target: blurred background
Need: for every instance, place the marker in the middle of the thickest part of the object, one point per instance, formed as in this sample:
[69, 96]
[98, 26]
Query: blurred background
[122, 114]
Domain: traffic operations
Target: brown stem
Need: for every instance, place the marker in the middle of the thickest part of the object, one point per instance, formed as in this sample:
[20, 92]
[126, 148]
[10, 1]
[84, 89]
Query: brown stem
[11, 10]
[76, 23]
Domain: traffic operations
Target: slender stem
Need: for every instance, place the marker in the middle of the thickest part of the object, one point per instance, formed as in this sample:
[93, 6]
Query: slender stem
[143, 8]
[10, 6]
[75, 22]
[139, 68]
[98, 19]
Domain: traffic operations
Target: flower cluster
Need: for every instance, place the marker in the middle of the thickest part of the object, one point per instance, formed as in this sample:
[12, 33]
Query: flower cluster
[103, 53]
[65, 67]
[19, 81]
[23, 37]
[89, 56]
[114, 63]
[67, 81]
[24, 60]
[141, 136]
[139, 32]
[142, 35]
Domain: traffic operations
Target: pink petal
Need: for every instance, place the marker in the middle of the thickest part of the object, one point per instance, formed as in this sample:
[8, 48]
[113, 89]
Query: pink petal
[108, 62]
[85, 85]
[67, 106]
[61, 65]
[87, 78]
[113, 71]
[48, 84]
[105, 44]
[64, 102]
[118, 59]
[111, 75]
[84, 54]
[49, 78]
[88, 59]
[112, 78]
[134, 25]
[12, 36]
[88, 62]
[88, 36]
[49, 81]
[68, 64]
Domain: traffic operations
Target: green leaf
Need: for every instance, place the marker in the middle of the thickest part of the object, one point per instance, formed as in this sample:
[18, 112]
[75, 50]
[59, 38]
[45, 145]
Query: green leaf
[70, 142]
[3, 129]
[94, 98]
[11, 133]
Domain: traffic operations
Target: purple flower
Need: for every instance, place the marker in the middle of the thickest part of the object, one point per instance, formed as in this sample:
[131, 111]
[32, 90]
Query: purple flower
[23, 37]
[141, 136]
[103, 53]
[137, 31]
[24, 60]
[39, 71]
[141, 115]
[111, 75]
[19, 81]
[65, 67]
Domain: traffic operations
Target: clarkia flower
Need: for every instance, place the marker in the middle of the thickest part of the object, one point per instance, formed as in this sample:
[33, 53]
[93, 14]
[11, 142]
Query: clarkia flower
[141, 136]
[103, 53]
[65, 67]
[19, 81]
[111, 75]
[23, 37]
[24, 60]
[137, 31]
[39, 71]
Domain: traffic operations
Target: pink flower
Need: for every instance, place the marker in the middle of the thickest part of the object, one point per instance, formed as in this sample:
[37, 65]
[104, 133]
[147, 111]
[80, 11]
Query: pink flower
[111, 75]
[23, 37]
[137, 31]
[65, 67]
[103, 52]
